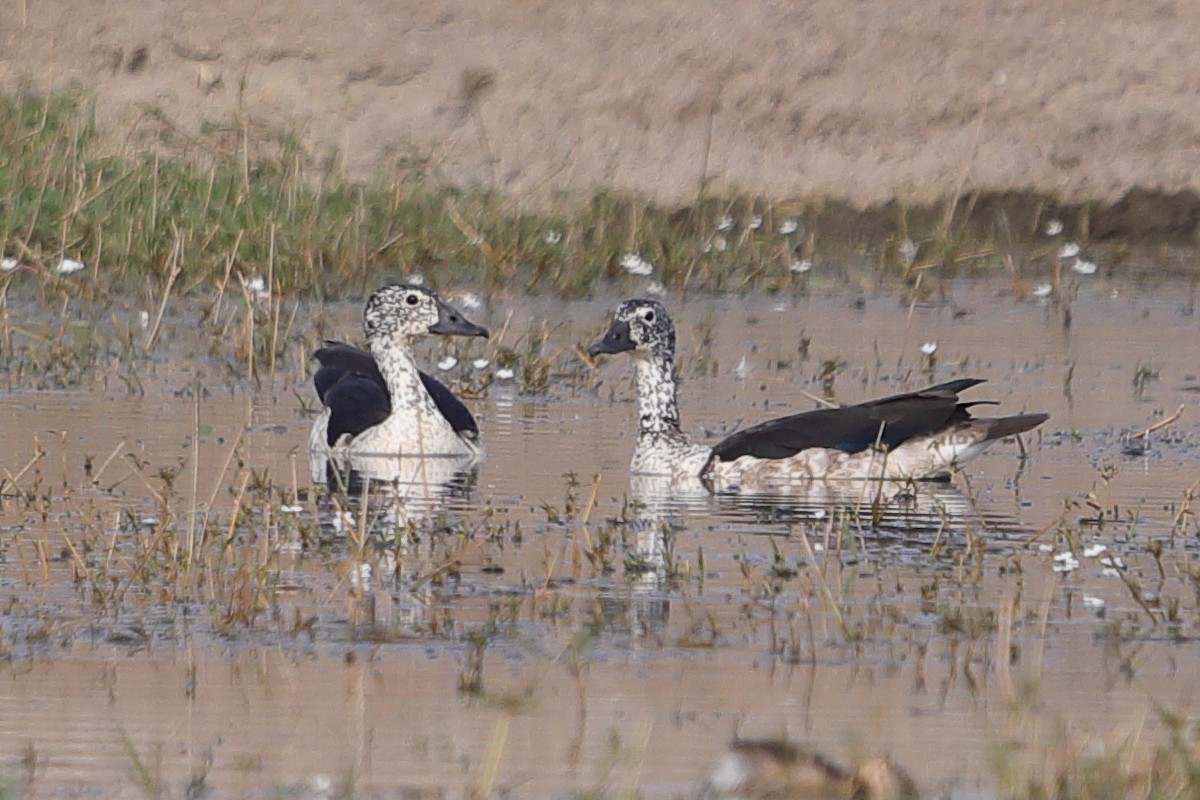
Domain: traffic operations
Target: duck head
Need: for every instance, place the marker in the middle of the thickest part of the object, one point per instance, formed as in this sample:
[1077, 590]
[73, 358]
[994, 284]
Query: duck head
[402, 312]
[638, 326]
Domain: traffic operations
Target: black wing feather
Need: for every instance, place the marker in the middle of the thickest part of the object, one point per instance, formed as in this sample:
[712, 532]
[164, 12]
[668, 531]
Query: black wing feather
[853, 428]
[350, 384]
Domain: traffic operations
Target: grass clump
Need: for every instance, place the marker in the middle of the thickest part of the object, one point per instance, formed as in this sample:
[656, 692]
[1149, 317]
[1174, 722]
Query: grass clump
[191, 212]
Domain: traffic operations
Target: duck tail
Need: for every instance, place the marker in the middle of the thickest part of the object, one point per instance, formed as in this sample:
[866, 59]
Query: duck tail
[999, 427]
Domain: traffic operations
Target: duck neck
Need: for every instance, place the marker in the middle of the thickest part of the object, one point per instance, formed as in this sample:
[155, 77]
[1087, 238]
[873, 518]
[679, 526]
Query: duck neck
[658, 411]
[399, 370]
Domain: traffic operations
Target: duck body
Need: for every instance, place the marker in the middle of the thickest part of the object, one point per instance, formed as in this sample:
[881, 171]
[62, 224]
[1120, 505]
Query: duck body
[922, 435]
[377, 402]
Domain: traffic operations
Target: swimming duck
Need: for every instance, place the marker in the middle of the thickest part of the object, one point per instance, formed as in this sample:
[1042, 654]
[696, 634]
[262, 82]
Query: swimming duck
[918, 435]
[378, 402]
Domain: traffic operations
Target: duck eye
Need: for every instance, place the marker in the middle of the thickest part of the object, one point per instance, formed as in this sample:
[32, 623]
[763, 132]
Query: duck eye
[412, 300]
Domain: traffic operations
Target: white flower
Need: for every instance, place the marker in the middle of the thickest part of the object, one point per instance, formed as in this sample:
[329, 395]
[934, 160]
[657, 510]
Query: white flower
[1091, 601]
[144, 319]
[756, 222]
[68, 266]
[551, 237]
[1109, 572]
[469, 301]
[1045, 548]
[447, 363]
[504, 374]
[256, 287]
[654, 287]
[1065, 562]
[1042, 290]
[480, 363]
[929, 348]
[416, 279]
[725, 222]
[801, 265]
[908, 251]
[1093, 550]
[8, 264]
[634, 264]
[788, 227]
[1084, 267]
[290, 509]
[1068, 250]
[1114, 561]
[1054, 227]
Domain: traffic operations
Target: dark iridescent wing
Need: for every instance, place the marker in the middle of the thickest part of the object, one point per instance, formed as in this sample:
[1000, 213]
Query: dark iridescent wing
[889, 420]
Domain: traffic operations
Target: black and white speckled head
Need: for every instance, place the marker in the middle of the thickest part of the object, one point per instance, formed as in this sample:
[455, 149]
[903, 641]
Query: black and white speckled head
[401, 312]
[641, 327]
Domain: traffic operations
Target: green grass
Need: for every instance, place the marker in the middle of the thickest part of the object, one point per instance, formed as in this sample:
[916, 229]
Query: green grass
[160, 207]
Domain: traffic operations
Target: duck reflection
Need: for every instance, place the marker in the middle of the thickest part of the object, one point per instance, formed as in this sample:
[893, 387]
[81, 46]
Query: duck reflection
[392, 494]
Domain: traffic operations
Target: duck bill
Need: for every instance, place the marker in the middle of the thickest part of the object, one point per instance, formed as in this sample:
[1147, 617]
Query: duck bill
[617, 340]
[451, 322]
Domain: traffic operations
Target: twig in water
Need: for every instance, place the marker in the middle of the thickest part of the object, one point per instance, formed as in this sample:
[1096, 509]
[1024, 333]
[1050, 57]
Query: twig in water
[1162, 423]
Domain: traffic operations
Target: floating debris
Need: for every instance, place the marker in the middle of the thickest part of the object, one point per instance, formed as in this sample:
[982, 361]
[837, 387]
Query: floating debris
[447, 363]
[756, 222]
[290, 509]
[1053, 227]
[1065, 562]
[1043, 290]
[1093, 550]
[8, 264]
[1091, 601]
[1083, 266]
[789, 226]
[416, 279]
[801, 265]
[634, 264]
[1068, 250]
[69, 266]
[929, 348]
[504, 374]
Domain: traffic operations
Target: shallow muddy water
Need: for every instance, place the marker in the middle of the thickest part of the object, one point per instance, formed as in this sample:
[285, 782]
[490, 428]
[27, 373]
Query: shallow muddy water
[180, 605]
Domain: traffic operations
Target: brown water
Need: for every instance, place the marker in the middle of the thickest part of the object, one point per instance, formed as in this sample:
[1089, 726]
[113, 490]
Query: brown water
[608, 659]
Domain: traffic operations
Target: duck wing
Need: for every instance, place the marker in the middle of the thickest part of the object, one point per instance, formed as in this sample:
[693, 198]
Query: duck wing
[361, 399]
[852, 429]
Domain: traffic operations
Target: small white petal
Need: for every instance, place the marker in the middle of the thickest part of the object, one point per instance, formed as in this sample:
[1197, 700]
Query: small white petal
[1066, 555]
[480, 363]
[504, 374]
[290, 509]
[725, 222]
[801, 265]
[1093, 550]
[551, 237]
[68, 266]
[8, 264]
[1042, 290]
[929, 348]
[1068, 250]
[416, 279]
[634, 264]
[1112, 562]
[1084, 267]
[1045, 548]
[1092, 601]
[788, 227]
[469, 301]
[756, 222]
[1109, 572]
[1054, 227]
[447, 363]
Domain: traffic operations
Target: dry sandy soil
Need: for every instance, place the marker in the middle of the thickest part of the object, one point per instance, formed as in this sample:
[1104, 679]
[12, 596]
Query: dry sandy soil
[860, 100]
